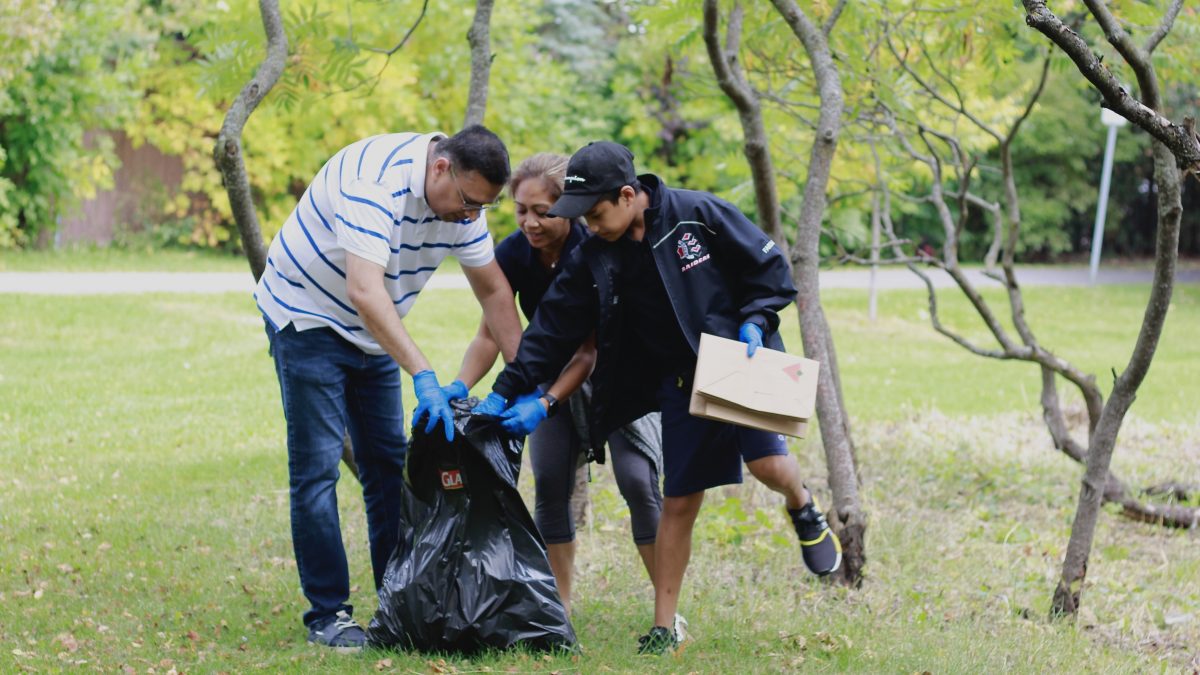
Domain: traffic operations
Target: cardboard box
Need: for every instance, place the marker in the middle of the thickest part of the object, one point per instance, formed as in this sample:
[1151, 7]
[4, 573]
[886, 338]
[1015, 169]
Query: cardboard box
[774, 391]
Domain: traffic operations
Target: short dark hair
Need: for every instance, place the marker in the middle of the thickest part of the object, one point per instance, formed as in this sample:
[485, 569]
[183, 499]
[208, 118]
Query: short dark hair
[477, 149]
[613, 196]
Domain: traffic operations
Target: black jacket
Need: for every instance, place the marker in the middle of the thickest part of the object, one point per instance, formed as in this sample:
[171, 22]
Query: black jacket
[719, 270]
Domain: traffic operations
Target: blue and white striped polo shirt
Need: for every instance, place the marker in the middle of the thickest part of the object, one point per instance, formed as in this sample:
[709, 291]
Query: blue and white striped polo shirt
[368, 199]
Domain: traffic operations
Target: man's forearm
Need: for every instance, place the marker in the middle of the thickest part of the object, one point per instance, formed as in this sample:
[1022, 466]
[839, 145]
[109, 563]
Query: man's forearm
[500, 314]
[365, 288]
[384, 324]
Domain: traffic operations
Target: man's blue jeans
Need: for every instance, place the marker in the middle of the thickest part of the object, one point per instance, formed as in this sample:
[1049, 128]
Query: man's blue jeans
[329, 385]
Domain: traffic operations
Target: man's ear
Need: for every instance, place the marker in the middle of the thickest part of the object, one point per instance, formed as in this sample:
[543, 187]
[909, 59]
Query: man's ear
[441, 164]
[627, 192]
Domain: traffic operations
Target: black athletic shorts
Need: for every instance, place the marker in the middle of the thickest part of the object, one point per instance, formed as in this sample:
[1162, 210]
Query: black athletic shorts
[699, 454]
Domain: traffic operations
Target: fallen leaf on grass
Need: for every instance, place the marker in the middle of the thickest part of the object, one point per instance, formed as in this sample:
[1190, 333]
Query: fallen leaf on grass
[383, 664]
[68, 641]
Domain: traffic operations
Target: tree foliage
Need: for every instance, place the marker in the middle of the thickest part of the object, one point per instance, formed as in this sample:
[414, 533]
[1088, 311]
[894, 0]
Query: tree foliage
[65, 68]
[564, 72]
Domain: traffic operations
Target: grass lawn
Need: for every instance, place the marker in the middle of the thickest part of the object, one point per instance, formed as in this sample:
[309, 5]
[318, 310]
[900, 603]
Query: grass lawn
[144, 519]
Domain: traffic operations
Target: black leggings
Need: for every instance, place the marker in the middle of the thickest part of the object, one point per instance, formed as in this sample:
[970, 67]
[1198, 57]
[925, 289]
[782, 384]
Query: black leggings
[555, 452]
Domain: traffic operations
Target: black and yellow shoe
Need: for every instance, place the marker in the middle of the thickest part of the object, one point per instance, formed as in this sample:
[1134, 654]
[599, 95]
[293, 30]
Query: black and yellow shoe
[819, 546]
[660, 640]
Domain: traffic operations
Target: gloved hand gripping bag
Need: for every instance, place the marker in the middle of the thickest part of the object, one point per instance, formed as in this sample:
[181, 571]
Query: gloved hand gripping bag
[470, 571]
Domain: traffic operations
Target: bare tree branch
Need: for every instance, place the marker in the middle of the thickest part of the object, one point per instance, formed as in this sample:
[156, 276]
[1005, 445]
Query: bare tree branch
[1033, 99]
[379, 50]
[993, 252]
[1183, 517]
[1181, 491]
[1163, 28]
[830, 22]
[937, 95]
[1175, 147]
[481, 62]
[776, 98]
[1182, 142]
[726, 66]
[885, 262]
[375, 79]
[227, 153]
[1116, 35]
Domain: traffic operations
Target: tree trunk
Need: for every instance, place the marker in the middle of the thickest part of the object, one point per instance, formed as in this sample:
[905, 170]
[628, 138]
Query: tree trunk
[1175, 146]
[481, 62]
[847, 514]
[228, 150]
[227, 153]
[1099, 458]
[756, 146]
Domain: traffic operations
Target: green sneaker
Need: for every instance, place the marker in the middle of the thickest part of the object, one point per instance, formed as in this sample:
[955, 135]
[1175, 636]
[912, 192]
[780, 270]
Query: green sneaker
[660, 640]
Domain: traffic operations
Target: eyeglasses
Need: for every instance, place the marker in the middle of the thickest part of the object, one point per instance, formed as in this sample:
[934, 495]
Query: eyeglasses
[469, 205]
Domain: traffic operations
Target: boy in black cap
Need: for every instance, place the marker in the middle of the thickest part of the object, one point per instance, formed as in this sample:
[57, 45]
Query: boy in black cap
[664, 266]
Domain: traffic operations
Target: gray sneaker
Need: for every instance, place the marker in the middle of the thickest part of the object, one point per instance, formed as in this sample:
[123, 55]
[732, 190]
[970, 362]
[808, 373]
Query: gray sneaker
[341, 633]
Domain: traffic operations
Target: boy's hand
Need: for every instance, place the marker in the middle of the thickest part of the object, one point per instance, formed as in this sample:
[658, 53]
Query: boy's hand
[524, 416]
[752, 335]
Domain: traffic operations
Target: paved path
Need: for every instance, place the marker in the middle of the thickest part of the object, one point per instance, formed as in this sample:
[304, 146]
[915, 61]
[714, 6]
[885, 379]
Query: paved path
[94, 283]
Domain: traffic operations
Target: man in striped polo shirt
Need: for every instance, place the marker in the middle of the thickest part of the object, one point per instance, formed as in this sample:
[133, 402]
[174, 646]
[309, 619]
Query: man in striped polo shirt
[341, 275]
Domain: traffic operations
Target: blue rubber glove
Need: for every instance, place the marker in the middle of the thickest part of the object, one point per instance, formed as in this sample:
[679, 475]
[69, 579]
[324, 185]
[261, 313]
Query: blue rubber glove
[493, 405]
[531, 396]
[524, 416]
[751, 334]
[431, 402]
[455, 390]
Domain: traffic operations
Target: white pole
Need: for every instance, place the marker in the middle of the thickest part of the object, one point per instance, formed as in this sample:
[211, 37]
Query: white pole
[1113, 122]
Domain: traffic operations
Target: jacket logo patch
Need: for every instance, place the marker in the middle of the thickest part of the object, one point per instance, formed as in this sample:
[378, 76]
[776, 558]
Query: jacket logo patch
[688, 247]
[451, 479]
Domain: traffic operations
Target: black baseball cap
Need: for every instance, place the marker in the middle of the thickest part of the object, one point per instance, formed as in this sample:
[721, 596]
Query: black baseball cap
[595, 170]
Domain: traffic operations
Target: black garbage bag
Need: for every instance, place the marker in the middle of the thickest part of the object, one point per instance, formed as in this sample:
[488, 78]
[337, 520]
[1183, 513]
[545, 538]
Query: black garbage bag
[470, 570]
